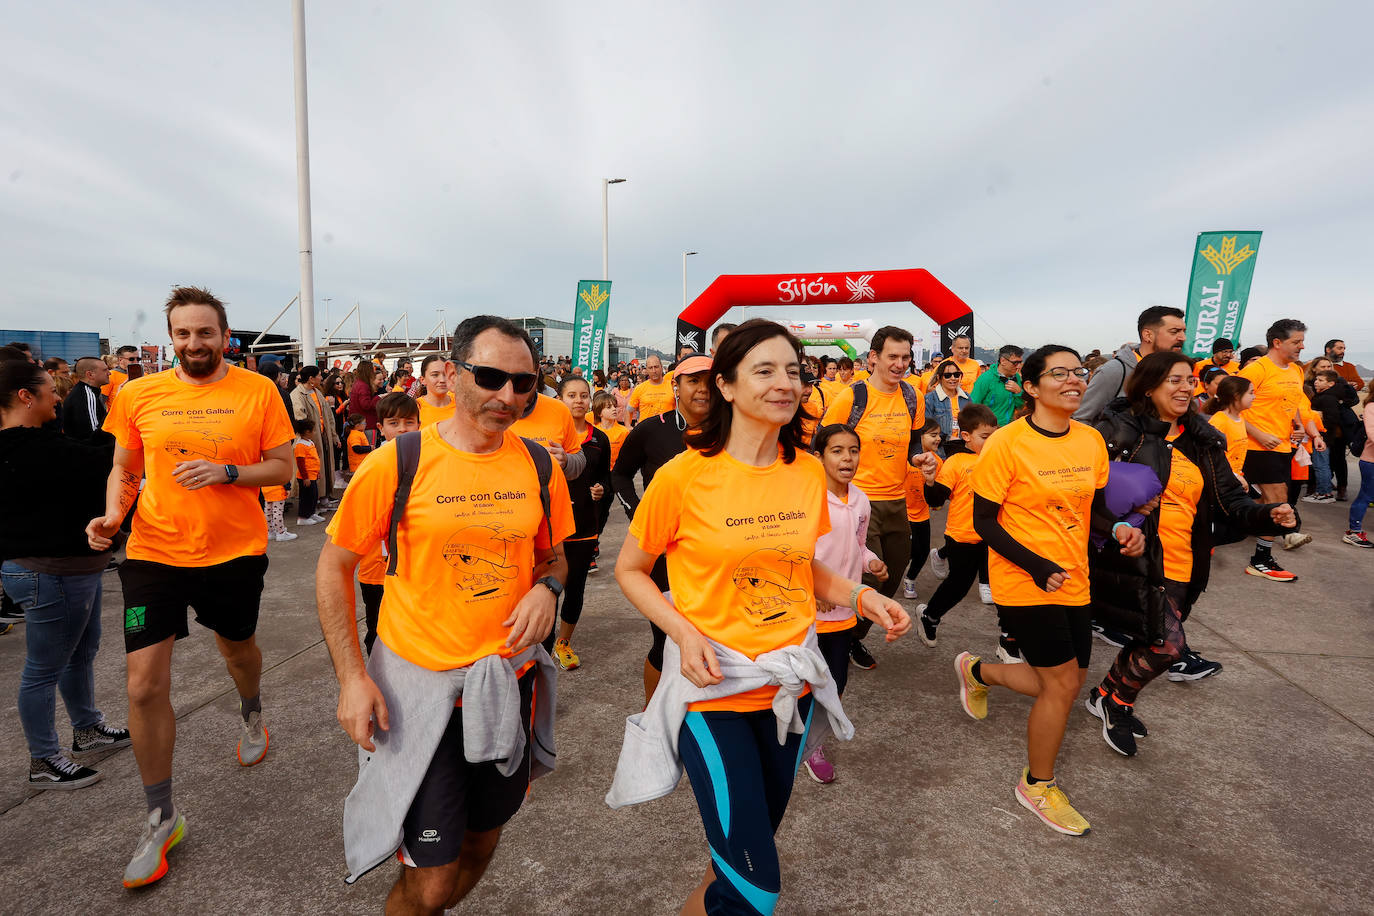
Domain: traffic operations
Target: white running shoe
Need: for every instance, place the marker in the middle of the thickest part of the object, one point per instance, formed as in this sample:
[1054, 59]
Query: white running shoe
[308, 521]
[985, 592]
[317, 517]
[285, 536]
[149, 862]
[1295, 540]
[908, 588]
[938, 564]
[253, 742]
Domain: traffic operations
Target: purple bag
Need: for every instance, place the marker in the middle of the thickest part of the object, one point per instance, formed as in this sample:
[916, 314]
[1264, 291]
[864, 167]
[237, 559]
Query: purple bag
[1129, 485]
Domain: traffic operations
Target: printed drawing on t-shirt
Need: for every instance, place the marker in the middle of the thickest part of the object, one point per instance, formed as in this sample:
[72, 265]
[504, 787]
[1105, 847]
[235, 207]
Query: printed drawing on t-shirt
[886, 448]
[188, 444]
[1065, 508]
[483, 556]
[767, 576]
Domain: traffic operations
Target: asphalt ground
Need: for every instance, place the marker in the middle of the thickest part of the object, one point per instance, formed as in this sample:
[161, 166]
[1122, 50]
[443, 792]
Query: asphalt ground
[1250, 795]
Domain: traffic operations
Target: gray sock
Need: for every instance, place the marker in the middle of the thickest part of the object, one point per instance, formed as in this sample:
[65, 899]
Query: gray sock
[250, 705]
[159, 795]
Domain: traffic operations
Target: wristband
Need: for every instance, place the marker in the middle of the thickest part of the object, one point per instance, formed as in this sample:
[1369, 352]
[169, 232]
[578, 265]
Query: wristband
[857, 597]
[1119, 525]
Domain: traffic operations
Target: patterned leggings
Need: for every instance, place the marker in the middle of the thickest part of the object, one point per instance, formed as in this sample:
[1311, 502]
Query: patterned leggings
[1137, 664]
[276, 520]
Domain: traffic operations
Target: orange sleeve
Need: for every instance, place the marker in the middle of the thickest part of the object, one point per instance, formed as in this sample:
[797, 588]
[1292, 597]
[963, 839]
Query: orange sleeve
[992, 474]
[656, 519]
[364, 514]
[560, 512]
[119, 423]
[839, 409]
[572, 443]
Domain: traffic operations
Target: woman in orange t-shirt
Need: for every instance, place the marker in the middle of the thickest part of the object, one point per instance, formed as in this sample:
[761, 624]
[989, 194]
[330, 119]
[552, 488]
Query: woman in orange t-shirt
[738, 515]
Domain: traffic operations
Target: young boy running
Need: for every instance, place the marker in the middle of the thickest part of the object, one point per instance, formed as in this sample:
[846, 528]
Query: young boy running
[964, 549]
[396, 414]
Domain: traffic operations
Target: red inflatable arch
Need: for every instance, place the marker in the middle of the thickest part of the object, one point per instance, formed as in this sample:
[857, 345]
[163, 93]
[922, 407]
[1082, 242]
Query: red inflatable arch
[915, 285]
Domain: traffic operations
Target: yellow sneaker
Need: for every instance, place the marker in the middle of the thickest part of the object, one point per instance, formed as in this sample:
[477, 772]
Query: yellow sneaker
[973, 695]
[563, 654]
[1049, 803]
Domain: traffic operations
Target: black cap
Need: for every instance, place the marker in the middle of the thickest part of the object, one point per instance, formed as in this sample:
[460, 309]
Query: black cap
[1221, 343]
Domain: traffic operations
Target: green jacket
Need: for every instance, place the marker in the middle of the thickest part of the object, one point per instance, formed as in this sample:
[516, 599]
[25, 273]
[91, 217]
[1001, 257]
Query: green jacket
[990, 390]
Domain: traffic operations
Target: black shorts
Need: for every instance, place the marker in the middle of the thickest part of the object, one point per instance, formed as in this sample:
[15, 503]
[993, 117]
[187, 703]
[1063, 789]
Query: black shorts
[156, 596]
[456, 796]
[1050, 634]
[1267, 467]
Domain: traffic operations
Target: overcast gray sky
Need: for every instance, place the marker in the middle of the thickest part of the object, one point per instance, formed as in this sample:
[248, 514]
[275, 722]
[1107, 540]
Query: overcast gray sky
[1050, 162]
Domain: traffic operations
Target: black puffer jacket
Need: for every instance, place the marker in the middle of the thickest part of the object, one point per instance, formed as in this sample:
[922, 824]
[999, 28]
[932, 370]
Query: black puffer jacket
[1120, 585]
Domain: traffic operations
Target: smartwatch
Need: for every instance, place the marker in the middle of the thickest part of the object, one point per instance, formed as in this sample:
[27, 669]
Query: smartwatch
[552, 585]
[232, 471]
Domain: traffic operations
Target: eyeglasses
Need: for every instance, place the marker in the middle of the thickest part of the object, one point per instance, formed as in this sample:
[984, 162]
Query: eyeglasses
[951, 375]
[1059, 373]
[493, 379]
[1013, 361]
[1177, 380]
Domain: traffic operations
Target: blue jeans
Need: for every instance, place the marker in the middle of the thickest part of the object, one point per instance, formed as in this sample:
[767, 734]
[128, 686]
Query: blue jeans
[1360, 503]
[1321, 470]
[62, 631]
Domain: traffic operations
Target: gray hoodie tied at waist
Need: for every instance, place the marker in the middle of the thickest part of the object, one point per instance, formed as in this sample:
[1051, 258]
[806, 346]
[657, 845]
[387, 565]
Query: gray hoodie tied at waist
[650, 766]
[419, 705]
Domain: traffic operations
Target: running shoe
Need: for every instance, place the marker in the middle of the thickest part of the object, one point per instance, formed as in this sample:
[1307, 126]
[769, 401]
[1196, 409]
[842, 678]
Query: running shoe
[99, 737]
[985, 592]
[149, 863]
[57, 772]
[12, 613]
[1295, 540]
[1269, 569]
[1357, 539]
[1116, 726]
[5, 628]
[285, 536]
[927, 626]
[820, 769]
[938, 564]
[861, 657]
[1109, 636]
[1007, 650]
[908, 588]
[1320, 498]
[308, 521]
[565, 656]
[317, 518]
[253, 743]
[591, 567]
[973, 696]
[1192, 667]
[1049, 803]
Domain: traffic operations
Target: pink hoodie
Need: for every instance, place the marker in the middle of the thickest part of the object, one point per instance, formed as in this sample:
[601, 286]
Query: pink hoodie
[844, 549]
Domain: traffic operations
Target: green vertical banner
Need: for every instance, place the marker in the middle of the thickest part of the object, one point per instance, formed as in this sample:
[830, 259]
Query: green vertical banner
[589, 324]
[1219, 288]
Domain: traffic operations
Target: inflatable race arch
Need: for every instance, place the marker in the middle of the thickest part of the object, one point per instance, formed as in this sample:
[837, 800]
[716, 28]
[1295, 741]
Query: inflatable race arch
[914, 285]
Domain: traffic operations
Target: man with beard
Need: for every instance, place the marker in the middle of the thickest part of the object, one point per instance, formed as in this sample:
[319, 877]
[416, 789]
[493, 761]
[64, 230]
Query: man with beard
[646, 449]
[206, 436]
[1160, 327]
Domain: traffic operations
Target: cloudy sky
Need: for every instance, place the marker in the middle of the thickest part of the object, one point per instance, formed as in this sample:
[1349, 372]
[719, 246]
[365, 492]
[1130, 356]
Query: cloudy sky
[1050, 162]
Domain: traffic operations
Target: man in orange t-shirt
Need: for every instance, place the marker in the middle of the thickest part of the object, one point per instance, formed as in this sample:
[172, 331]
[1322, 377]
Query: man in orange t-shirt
[478, 571]
[120, 375]
[204, 437]
[959, 350]
[652, 396]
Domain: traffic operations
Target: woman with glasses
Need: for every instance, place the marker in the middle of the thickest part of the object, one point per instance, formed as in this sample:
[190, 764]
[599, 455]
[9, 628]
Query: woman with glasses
[1038, 489]
[1155, 425]
[946, 398]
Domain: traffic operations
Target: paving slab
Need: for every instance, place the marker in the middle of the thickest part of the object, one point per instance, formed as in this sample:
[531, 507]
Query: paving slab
[1248, 796]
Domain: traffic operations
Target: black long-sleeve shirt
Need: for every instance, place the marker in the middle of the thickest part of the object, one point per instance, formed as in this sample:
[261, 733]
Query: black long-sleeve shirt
[647, 448]
[51, 486]
[83, 415]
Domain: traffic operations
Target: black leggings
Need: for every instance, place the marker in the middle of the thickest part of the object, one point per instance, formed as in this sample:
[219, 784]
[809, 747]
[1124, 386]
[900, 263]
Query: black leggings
[834, 648]
[965, 561]
[1138, 663]
[920, 548]
[310, 494]
[579, 556]
[372, 607]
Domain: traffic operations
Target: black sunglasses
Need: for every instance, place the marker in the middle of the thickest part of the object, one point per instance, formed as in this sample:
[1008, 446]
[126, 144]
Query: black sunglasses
[493, 379]
[951, 375]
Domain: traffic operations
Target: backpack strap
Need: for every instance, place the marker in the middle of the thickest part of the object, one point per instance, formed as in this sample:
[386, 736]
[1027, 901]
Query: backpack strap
[856, 412]
[543, 466]
[407, 462]
[913, 401]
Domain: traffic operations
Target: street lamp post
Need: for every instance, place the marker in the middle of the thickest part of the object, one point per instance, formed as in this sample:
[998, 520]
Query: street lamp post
[326, 300]
[605, 225]
[443, 332]
[685, 255]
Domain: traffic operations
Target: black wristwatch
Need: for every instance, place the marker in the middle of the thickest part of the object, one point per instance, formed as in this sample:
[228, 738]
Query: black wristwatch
[552, 585]
[232, 471]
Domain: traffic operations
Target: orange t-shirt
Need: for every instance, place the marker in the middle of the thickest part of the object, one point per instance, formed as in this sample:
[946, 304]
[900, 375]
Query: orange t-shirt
[831, 388]
[356, 459]
[273, 494]
[917, 509]
[1045, 485]
[307, 460]
[652, 399]
[956, 473]
[466, 545]
[859, 375]
[971, 370]
[231, 421]
[118, 377]
[429, 414]
[885, 430]
[1177, 510]
[372, 567]
[616, 433]
[739, 541]
[1278, 392]
[812, 410]
[551, 421]
[1237, 440]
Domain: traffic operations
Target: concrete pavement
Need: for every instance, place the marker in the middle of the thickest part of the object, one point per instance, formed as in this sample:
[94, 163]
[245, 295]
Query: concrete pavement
[1249, 795]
